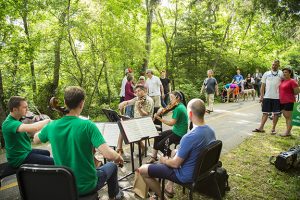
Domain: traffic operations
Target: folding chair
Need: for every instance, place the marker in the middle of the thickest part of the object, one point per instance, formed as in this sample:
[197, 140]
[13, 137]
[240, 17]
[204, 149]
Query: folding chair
[49, 182]
[206, 166]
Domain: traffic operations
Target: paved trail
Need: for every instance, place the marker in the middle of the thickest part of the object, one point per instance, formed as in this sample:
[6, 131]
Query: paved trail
[232, 123]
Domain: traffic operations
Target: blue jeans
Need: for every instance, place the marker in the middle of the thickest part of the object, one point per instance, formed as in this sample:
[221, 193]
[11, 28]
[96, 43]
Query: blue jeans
[129, 111]
[108, 173]
[39, 156]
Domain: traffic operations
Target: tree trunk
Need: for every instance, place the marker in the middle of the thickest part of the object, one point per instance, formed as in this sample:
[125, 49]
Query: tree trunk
[107, 82]
[30, 50]
[2, 110]
[57, 57]
[97, 79]
[150, 10]
[73, 49]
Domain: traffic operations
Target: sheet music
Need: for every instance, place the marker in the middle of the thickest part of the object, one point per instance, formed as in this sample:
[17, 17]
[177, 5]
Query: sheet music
[111, 134]
[147, 126]
[132, 130]
[100, 126]
[136, 129]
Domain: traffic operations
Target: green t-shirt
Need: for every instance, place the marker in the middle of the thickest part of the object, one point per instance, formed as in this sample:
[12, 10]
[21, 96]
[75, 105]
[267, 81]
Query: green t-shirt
[181, 125]
[17, 144]
[72, 140]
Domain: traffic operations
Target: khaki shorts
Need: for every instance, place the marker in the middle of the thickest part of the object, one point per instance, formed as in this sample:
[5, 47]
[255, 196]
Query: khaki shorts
[156, 100]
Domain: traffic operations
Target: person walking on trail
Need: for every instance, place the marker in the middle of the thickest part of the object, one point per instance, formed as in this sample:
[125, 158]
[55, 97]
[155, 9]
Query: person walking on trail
[238, 79]
[257, 81]
[269, 96]
[210, 85]
[287, 90]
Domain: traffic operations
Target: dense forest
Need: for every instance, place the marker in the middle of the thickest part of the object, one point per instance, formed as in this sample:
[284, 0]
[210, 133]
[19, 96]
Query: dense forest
[46, 45]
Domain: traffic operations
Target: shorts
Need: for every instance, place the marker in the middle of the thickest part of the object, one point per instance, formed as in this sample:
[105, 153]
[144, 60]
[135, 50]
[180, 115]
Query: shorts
[287, 106]
[162, 171]
[156, 101]
[271, 106]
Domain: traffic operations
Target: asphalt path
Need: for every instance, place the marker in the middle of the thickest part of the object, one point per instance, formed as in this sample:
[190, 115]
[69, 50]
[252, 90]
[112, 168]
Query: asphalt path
[232, 123]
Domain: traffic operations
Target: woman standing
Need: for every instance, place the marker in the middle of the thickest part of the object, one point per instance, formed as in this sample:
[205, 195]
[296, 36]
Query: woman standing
[287, 90]
[179, 122]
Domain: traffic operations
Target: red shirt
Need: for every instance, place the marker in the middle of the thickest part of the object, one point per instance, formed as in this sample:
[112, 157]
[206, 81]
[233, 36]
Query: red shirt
[286, 91]
[129, 93]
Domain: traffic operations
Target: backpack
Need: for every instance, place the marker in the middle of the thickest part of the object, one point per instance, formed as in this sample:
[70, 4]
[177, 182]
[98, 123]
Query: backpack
[206, 186]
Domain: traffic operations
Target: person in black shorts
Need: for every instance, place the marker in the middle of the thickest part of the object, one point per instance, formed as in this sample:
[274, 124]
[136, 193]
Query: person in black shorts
[270, 96]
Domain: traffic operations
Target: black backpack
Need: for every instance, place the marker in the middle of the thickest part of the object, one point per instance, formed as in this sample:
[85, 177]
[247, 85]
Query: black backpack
[206, 186]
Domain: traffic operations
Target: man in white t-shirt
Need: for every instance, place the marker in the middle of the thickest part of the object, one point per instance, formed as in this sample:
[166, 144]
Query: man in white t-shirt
[155, 88]
[269, 96]
[124, 81]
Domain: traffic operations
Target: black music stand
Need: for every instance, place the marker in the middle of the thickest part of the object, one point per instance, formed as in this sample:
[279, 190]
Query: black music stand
[113, 116]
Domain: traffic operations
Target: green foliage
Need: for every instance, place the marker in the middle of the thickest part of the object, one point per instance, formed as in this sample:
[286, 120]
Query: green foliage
[188, 38]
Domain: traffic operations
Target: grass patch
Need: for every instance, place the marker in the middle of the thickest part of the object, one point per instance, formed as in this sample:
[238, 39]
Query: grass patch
[251, 176]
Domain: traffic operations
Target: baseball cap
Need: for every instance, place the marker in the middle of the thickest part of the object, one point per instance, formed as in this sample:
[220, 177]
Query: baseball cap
[142, 78]
[128, 70]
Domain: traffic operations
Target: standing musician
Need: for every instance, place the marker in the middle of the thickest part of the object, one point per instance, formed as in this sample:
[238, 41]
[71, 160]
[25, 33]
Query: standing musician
[72, 140]
[17, 143]
[179, 122]
[143, 106]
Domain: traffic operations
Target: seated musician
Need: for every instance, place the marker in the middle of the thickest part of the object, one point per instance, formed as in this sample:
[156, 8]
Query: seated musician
[179, 122]
[180, 168]
[143, 106]
[17, 143]
[73, 139]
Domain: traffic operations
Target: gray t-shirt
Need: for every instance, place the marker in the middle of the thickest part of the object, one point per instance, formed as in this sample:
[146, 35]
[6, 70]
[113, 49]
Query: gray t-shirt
[210, 85]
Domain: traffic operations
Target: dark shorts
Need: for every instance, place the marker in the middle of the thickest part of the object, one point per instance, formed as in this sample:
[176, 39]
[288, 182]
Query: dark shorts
[287, 106]
[162, 171]
[271, 106]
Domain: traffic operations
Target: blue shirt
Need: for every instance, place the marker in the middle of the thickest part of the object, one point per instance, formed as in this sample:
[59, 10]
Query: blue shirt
[190, 147]
[238, 78]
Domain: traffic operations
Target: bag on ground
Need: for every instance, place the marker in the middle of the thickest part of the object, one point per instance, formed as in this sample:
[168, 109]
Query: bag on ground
[207, 185]
[139, 186]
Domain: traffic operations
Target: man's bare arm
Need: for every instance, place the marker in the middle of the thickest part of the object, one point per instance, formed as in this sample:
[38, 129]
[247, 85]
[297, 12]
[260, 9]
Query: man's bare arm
[33, 128]
[175, 162]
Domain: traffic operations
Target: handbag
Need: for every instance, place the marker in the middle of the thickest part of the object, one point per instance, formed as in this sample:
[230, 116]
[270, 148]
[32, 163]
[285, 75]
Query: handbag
[140, 188]
[296, 114]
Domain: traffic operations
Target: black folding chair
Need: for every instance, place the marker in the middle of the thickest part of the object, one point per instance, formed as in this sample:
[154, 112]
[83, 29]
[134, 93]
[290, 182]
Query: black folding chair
[206, 166]
[49, 182]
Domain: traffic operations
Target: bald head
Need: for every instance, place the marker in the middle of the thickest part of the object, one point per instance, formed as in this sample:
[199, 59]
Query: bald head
[197, 107]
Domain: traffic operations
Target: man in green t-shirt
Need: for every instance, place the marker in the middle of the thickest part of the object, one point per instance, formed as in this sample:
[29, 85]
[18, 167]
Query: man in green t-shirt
[73, 140]
[15, 133]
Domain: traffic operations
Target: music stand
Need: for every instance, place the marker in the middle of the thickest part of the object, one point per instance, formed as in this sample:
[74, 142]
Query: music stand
[111, 115]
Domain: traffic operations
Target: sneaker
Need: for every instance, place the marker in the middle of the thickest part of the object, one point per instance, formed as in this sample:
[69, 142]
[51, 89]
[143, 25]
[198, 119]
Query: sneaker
[120, 195]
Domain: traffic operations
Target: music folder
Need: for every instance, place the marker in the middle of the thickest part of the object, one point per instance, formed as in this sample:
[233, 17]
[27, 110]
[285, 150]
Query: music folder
[134, 130]
[110, 132]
